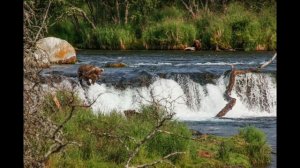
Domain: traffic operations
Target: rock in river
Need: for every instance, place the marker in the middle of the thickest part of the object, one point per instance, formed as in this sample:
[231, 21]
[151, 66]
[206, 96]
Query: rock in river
[115, 65]
[55, 50]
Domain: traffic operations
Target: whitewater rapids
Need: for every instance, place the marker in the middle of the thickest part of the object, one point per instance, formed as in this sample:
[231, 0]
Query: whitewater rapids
[255, 94]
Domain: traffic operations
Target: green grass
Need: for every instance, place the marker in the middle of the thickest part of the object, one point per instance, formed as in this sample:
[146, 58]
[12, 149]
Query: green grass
[113, 37]
[103, 139]
[241, 26]
[170, 34]
[167, 13]
[257, 148]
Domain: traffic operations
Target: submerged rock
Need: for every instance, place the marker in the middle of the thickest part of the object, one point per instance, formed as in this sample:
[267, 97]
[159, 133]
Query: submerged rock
[195, 132]
[115, 65]
[55, 50]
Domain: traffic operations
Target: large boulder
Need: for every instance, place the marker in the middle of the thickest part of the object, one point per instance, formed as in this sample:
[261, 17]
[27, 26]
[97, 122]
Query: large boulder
[55, 50]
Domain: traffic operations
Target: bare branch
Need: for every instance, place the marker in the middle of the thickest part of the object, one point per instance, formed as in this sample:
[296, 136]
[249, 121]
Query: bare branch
[54, 149]
[43, 22]
[119, 138]
[268, 62]
[71, 11]
[146, 138]
[189, 8]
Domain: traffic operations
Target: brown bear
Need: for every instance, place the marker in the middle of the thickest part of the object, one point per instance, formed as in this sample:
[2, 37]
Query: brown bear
[87, 72]
[197, 44]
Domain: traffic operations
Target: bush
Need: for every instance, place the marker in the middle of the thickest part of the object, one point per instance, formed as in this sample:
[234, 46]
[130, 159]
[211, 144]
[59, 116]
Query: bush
[239, 20]
[169, 35]
[167, 13]
[164, 144]
[257, 148]
[65, 30]
[214, 31]
[267, 21]
[224, 150]
[113, 37]
[203, 24]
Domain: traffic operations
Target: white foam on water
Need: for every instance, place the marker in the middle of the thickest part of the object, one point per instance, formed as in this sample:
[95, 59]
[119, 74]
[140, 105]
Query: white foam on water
[226, 63]
[217, 63]
[151, 64]
[255, 95]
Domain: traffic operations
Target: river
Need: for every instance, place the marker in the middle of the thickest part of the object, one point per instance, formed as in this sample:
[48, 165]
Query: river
[192, 84]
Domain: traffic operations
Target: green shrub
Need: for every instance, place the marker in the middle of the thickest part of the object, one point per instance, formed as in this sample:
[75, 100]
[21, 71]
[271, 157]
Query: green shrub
[257, 148]
[214, 31]
[64, 30]
[113, 37]
[168, 12]
[268, 24]
[203, 24]
[164, 144]
[220, 34]
[239, 20]
[224, 150]
[169, 35]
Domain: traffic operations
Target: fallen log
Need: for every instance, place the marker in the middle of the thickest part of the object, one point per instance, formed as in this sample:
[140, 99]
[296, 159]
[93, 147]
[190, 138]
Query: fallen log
[234, 72]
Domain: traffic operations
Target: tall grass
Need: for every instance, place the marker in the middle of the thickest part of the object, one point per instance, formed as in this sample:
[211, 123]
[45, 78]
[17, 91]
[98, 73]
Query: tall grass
[257, 148]
[238, 28]
[170, 34]
[113, 37]
[268, 27]
[167, 13]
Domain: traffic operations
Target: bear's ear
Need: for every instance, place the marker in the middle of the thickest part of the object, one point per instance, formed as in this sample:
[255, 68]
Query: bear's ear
[99, 70]
[92, 70]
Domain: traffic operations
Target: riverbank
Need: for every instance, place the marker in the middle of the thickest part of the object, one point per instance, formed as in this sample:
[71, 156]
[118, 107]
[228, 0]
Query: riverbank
[109, 140]
[231, 26]
[119, 89]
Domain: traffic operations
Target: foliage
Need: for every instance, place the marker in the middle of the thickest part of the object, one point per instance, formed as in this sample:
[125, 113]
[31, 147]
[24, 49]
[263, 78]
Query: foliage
[169, 35]
[241, 25]
[257, 148]
[168, 12]
[112, 37]
[105, 140]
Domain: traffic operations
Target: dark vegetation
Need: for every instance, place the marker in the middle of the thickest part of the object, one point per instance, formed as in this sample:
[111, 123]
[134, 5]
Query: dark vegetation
[165, 24]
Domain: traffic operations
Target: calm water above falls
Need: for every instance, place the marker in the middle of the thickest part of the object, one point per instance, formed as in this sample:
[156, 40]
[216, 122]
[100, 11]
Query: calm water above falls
[197, 82]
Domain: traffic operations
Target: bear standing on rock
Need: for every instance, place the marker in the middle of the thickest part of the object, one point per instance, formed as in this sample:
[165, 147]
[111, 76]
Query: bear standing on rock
[87, 72]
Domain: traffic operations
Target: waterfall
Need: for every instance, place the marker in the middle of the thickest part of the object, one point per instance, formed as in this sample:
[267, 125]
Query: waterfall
[255, 94]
